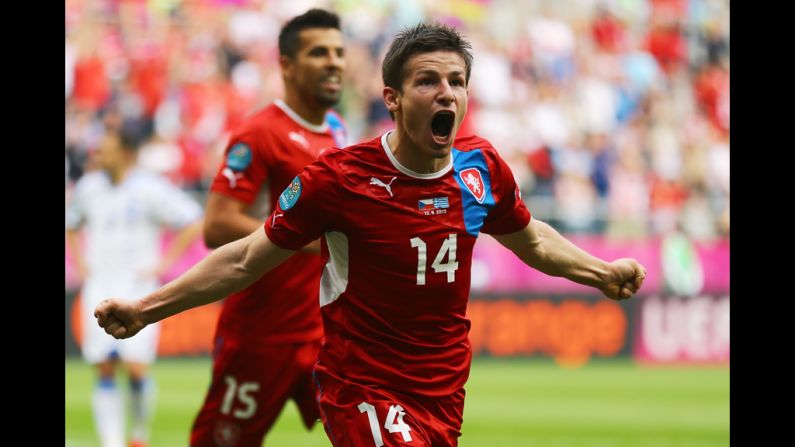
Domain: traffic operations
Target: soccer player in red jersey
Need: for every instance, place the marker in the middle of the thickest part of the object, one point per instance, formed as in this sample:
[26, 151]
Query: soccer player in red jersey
[399, 216]
[268, 335]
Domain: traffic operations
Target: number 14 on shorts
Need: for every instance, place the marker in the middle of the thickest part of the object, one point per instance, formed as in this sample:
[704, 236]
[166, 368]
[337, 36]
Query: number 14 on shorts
[393, 423]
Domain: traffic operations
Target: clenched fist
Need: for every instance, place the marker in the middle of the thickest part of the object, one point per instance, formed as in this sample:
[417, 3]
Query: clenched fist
[121, 319]
[624, 280]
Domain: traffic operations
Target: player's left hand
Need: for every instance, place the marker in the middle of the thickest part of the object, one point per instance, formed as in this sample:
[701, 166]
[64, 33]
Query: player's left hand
[626, 278]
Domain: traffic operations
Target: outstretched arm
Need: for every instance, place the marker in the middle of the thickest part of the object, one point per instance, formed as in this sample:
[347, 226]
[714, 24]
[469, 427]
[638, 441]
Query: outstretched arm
[540, 246]
[228, 269]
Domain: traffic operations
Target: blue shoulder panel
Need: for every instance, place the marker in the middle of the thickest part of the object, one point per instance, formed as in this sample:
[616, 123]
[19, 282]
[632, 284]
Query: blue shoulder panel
[476, 206]
[338, 130]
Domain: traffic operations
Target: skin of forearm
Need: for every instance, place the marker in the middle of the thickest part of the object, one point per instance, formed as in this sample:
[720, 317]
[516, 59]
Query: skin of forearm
[226, 270]
[551, 253]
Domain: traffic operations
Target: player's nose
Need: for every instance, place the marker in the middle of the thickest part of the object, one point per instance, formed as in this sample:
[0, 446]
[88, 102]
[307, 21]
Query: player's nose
[445, 95]
[335, 61]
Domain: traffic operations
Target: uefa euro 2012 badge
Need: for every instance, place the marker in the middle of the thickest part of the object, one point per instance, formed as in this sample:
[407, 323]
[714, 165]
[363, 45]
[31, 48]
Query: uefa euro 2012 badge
[290, 194]
[239, 157]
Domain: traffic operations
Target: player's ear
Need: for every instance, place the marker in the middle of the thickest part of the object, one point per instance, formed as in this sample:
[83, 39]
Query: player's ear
[391, 99]
[287, 66]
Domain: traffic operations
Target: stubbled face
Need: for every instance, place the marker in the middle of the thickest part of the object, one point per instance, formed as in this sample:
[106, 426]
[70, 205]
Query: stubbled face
[317, 67]
[433, 101]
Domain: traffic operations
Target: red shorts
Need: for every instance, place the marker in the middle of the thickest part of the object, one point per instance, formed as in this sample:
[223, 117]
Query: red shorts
[249, 390]
[358, 416]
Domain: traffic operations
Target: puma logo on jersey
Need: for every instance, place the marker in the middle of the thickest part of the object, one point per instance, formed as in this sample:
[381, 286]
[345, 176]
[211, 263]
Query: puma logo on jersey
[273, 221]
[299, 138]
[387, 186]
[232, 176]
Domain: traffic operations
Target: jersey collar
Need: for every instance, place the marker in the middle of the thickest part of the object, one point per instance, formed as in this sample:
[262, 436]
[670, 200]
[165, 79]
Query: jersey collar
[300, 121]
[407, 171]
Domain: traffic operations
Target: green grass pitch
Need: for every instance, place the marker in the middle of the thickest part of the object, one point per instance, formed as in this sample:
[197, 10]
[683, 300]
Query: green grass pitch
[510, 402]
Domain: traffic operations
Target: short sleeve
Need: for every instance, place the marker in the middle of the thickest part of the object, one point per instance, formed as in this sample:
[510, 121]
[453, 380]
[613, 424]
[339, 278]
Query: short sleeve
[245, 167]
[306, 208]
[509, 213]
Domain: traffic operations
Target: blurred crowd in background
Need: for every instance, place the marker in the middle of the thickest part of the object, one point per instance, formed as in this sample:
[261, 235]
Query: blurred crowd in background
[614, 115]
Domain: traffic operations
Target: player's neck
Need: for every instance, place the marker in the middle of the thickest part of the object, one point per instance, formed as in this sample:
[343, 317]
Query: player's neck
[118, 174]
[311, 113]
[413, 157]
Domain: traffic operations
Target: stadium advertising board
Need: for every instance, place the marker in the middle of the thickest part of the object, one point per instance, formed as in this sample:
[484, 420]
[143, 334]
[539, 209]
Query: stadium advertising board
[570, 329]
[495, 269]
[517, 311]
[682, 329]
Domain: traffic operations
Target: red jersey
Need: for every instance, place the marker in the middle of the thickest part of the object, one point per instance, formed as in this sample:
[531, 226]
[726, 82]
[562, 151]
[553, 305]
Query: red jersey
[398, 251]
[264, 154]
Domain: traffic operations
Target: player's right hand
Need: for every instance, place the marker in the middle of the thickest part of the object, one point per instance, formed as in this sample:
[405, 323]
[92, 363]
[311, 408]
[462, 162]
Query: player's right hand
[121, 319]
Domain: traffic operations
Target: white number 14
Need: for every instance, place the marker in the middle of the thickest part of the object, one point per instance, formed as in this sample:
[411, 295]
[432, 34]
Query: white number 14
[448, 249]
[393, 423]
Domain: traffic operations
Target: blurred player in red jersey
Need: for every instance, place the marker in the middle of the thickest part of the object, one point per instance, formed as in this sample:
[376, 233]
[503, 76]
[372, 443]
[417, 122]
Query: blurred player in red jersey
[268, 335]
[399, 216]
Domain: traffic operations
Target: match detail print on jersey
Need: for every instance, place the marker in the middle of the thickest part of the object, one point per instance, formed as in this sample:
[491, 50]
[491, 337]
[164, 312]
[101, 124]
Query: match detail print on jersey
[436, 205]
[472, 175]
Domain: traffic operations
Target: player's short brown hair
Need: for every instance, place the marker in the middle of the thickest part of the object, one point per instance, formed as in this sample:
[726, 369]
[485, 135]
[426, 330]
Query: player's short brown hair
[422, 38]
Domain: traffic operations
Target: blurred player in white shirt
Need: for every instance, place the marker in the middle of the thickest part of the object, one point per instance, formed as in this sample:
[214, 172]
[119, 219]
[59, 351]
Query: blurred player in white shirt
[122, 211]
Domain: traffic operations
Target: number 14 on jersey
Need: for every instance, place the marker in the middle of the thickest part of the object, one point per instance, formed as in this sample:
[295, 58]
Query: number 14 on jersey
[393, 422]
[439, 266]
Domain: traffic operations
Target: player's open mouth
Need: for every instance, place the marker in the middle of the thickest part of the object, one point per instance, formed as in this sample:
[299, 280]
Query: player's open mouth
[442, 126]
[332, 82]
